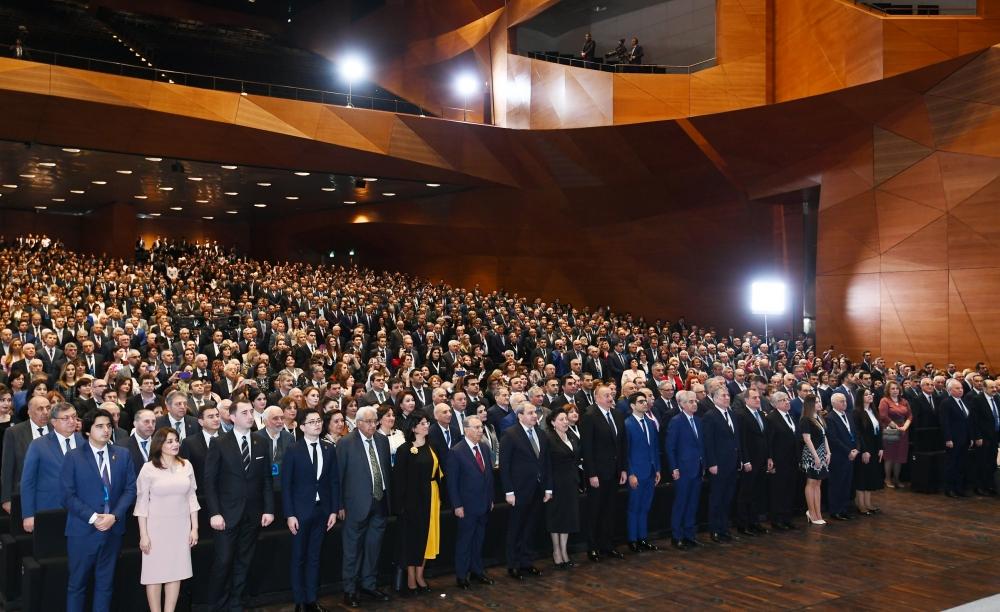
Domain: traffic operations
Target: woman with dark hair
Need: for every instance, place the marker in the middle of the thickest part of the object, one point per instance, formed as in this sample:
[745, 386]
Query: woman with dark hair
[416, 500]
[167, 510]
[262, 375]
[387, 427]
[38, 387]
[6, 412]
[562, 511]
[815, 457]
[868, 466]
[435, 364]
[407, 402]
[333, 427]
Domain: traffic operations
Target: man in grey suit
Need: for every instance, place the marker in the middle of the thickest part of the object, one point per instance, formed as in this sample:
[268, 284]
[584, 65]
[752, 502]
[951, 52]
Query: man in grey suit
[363, 459]
[15, 447]
[275, 434]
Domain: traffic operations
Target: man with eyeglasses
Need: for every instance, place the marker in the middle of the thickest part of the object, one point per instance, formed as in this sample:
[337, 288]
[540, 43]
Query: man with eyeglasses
[41, 488]
[310, 493]
[642, 463]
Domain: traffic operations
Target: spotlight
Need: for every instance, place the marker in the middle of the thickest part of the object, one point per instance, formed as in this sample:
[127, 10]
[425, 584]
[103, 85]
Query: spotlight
[352, 68]
[466, 85]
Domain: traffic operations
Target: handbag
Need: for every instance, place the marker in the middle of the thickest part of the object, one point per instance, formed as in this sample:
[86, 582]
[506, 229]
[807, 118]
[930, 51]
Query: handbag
[891, 435]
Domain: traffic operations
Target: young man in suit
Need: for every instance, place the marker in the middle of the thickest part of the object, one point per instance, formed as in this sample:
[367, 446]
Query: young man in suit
[842, 433]
[602, 442]
[15, 447]
[240, 500]
[364, 462]
[41, 487]
[195, 448]
[723, 458]
[524, 472]
[177, 416]
[783, 441]
[643, 468]
[687, 465]
[470, 488]
[310, 494]
[99, 484]
[751, 498]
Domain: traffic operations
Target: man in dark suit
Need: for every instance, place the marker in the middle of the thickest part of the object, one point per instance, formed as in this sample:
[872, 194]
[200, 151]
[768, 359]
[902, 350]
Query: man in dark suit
[842, 433]
[618, 362]
[602, 443]
[15, 447]
[195, 448]
[138, 444]
[722, 456]
[589, 46]
[280, 439]
[470, 488]
[751, 500]
[686, 462]
[985, 422]
[958, 431]
[41, 487]
[364, 462]
[926, 430]
[635, 52]
[783, 440]
[239, 498]
[177, 416]
[642, 465]
[524, 472]
[310, 496]
[99, 488]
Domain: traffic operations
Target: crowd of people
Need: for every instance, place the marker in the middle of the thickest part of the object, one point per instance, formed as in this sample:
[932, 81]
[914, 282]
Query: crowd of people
[621, 54]
[195, 380]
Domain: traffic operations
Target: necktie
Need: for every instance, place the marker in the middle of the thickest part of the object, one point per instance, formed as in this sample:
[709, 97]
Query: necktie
[90, 365]
[756, 416]
[145, 452]
[315, 459]
[725, 413]
[41, 431]
[611, 422]
[694, 427]
[996, 417]
[790, 423]
[106, 479]
[534, 441]
[211, 439]
[245, 451]
[965, 411]
[447, 437]
[66, 440]
[843, 417]
[479, 459]
[177, 426]
[645, 432]
[376, 472]
[380, 396]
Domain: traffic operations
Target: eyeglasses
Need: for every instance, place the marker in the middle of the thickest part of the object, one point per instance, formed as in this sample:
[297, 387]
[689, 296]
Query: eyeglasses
[68, 418]
[313, 422]
[369, 421]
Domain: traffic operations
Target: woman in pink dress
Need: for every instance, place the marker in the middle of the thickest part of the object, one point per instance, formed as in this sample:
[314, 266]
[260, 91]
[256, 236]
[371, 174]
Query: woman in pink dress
[894, 413]
[168, 519]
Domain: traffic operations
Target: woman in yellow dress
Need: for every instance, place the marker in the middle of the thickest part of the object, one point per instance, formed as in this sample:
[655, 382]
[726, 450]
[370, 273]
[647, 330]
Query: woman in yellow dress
[417, 503]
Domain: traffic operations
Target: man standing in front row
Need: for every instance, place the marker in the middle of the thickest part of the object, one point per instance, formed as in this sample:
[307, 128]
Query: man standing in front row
[470, 485]
[99, 484]
[364, 462]
[643, 467]
[687, 464]
[524, 471]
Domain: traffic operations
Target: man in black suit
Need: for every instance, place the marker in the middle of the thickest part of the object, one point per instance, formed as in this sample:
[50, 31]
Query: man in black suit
[177, 416]
[984, 411]
[568, 384]
[635, 52]
[723, 458]
[926, 428]
[842, 434]
[783, 440]
[140, 442]
[195, 447]
[524, 472]
[15, 447]
[240, 500]
[751, 500]
[470, 487]
[602, 442]
[589, 46]
[93, 360]
[958, 431]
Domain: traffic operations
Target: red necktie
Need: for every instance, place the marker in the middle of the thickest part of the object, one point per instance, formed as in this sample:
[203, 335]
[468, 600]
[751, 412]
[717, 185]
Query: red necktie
[479, 459]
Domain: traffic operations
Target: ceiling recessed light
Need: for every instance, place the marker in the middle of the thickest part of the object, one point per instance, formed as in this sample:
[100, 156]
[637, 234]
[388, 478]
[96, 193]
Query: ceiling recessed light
[371, 180]
[243, 93]
[76, 191]
[263, 184]
[232, 193]
[47, 164]
[10, 186]
[58, 199]
[27, 176]
[41, 207]
[176, 208]
[194, 178]
[228, 167]
[72, 150]
[291, 197]
[123, 171]
[328, 188]
[232, 212]
[433, 184]
[201, 201]
[301, 174]
[166, 188]
[208, 218]
[350, 202]
[99, 182]
[154, 214]
[154, 159]
[140, 197]
[388, 194]
[260, 205]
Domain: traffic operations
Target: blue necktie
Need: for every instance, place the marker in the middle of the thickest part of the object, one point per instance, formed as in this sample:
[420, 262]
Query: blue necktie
[106, 479]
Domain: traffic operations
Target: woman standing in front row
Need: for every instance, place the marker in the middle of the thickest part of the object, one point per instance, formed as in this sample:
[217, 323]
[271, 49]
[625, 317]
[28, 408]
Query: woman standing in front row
[168, 511]
[815, 457]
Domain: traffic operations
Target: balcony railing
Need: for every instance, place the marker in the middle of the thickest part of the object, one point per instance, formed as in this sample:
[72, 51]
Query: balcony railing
[570, 60]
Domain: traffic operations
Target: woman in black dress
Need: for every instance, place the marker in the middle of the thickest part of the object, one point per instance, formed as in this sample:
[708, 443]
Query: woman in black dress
[868, 470]
[562, 511]
[815, 457]
[6, 412]
[415, 481]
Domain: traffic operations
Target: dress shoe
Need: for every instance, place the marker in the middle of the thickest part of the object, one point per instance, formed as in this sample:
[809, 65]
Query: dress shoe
[875, 510]
[407, 592]
[866, 513]
[465, 585]
[692, 543]
[300, 607]
[745, 531]
[378, 595]
[951, 494]
[759, 529]
[717, 538]
[645, 545]
[789, 525]
[726, 537]
[961, 493]
[615, 553]
[679, 544]
[482, 579]
[634, 547]
[315, 607]
[594, 556]
[426, 588]
[515, 574]
[351, 600]
[779, 526]
[841, 517]
[570, 564]
[531, 570]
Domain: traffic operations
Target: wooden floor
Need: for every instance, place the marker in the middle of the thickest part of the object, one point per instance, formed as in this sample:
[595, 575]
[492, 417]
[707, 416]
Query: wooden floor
[924, 552]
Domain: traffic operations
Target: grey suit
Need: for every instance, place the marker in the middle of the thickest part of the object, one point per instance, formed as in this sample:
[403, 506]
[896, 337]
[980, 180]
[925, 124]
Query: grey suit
[365, 520]
[15, 447]
[285, 441]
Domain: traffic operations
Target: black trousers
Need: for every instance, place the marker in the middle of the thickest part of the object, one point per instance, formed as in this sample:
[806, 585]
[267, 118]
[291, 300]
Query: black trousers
[783, 491]
[234, 548]
[954, 468]
[986, 464]
[751, 500]
[523, 518]
[601, 514]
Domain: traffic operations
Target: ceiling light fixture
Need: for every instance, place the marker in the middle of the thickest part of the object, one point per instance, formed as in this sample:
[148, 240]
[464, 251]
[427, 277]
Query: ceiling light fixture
[58, 199]
[232, 193]
[194, 178]
[123, 171]
[388, 194]
[72, 150]
[229, 167]
[166, 188]
[208, 218]
[41, 207]
[140, 197]
[47, 164]
[10, 186]
[154, 214]
[301, 174]
[27, 176]
[99, 182]
[350, 202]
[260, 205]
[201, 201]
[232, 212]
[154, 159]
[328, 188]
[176, 208]
[371, 180]
[433, 184]
[263, 184]
[291, 197]
[76, 191]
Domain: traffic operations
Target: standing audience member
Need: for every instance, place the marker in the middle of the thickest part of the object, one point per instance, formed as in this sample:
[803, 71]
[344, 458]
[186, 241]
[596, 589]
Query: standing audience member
[986, 415]
[815, 460]
[41, 486]
[783, 463]
[195, 448]
[602, 444]
[168, 520]
[643, 468]
[685, 453]
[957, 429]
[894, 414]
[842, 435]
[868, 472]
[15, 447]
[471, 490]
[562, 513]
[751, 501]
[722, 456]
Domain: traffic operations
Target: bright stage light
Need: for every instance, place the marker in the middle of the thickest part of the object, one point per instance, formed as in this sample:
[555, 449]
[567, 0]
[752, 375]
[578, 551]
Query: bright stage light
[767, 297]
[466, 84]
[353, 68]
